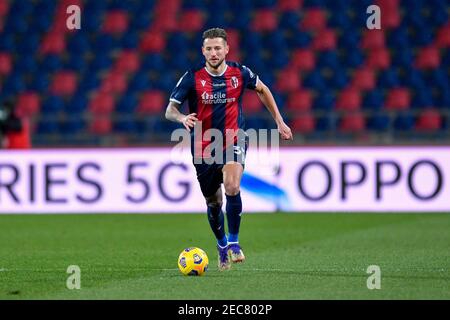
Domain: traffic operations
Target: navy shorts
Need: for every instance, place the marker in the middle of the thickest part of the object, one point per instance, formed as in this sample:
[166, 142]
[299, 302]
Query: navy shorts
[210, 175]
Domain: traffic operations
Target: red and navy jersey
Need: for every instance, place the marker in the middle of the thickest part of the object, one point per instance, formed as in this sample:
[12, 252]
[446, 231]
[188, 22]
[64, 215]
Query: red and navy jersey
[217, 99]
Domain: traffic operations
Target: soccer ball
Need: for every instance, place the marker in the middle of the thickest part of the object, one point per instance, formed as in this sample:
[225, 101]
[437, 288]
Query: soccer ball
[193, 262]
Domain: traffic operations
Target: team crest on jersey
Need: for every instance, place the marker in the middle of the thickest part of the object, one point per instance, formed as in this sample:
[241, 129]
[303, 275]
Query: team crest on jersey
[234, 82]
[203, 82]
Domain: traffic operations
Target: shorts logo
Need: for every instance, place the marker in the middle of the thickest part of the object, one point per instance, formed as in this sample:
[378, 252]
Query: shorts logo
[234, 82]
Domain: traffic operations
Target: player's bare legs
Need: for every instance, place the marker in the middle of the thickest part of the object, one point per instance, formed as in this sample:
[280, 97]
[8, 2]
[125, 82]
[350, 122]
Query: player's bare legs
[232, 174]
[216, 221]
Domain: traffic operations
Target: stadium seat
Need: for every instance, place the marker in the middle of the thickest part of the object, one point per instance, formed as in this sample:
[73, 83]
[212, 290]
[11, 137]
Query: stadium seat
[114, 82]
[289, 5]
[443, 37]
[5, 63]
[264, 20]
[28, 104]
[127, 61]
[349, 99]
[300, 100]
[153, 42]
[115, 21]
[191, 21]
[303, 59]
[379, 58]
[429, 120]
[152, 102]
[101, 103]
[404, 122]
[379, 122]
[364, 79]
[398, 99]
[373, 99]
[251, 102]
[352, 123]
[373, 39]
[304, 123]
[53, 43]
[314, 19]
[428, 58]
[101, 125]
[288, 80]
[325, 40]
[63, 83]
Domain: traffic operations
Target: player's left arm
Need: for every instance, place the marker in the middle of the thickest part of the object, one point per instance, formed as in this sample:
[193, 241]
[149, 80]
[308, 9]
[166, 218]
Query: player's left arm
[266, 97]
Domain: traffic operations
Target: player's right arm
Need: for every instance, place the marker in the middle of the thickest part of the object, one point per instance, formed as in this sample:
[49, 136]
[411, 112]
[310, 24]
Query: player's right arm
[173, 114]
[178, 96]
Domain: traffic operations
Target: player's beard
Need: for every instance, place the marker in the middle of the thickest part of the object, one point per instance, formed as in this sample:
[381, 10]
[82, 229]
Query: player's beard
[215, 66]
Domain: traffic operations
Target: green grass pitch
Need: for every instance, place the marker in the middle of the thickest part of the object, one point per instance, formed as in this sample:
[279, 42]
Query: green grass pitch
[289, 256]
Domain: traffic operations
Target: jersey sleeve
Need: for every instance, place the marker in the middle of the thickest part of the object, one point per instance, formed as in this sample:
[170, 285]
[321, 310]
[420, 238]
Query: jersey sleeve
[182, 88]
[250, 78]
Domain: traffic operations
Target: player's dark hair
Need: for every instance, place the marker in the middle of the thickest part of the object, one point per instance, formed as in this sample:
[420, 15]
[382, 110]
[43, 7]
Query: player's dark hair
[215, 33]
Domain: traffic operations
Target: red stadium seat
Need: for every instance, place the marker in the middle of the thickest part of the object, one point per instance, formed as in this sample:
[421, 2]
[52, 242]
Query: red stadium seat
[251, 102]
[428, 58]
[379, 58]
[443, 37]
[300, 100]
[114, 82]
[64, 83]
[349, 99]
[289, 5]
[264, 20]
[303, 59]
[191, 21]
[115, 21]
[303, 123]
[28, 104]
[53, 42]
[315, 19]
[101, 103]
[364, 79]
[429, 120]
[354, 122]
[390, 17]
[325, 40]
[398, 99]
[4, 7]
[101, 125]
[60, 17]
[152, 102]
[373, 39]
[288, 80]
[127, 61]
[5, 63]
[153, 42]
[233, 37]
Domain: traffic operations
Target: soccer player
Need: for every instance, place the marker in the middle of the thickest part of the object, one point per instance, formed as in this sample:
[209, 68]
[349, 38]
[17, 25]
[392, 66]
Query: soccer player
[214, 92]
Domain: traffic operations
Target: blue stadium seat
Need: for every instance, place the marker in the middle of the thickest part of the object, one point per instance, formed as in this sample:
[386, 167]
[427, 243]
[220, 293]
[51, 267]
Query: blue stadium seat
[422, 99]
[127, 104]
[77, 104]
[404, 122]
[379, 122]
[314, 80]
[154, 61]
[324, 101]
[51, 63]
[388, 79]
[40, 82]
[326, 123]
[289, 20]
[72, 126]
[48, 126]
[373, 100]
[52, 105]
[299, 39]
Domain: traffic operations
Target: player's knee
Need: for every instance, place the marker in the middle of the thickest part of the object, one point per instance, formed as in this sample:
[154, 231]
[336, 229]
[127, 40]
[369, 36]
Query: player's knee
[214, 202]
[231, 188]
